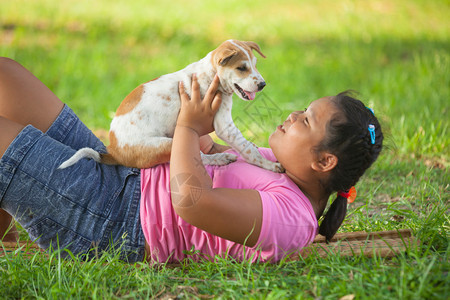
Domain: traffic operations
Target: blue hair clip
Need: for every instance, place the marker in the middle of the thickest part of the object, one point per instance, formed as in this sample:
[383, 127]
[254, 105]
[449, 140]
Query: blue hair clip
[371, 110]
[372, 133]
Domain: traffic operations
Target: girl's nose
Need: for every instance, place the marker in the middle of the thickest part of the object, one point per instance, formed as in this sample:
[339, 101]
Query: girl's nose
[293, 116]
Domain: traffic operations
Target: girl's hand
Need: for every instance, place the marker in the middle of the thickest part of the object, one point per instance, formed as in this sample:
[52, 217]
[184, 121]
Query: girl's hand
[198, 114]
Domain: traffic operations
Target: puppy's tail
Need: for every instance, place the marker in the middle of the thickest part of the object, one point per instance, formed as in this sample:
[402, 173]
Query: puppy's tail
[88, 153]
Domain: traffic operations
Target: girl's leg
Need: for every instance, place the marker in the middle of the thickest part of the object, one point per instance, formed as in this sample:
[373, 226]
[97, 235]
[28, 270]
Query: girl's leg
[8, 228]
[24, 99]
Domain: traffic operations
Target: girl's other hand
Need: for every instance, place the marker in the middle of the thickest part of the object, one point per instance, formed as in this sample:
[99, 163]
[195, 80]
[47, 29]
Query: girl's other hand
[208, 146]
[206, 143]
[198, 114]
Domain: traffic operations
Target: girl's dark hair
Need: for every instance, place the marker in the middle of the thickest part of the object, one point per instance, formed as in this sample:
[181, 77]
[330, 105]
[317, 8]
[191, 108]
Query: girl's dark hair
[348, 138]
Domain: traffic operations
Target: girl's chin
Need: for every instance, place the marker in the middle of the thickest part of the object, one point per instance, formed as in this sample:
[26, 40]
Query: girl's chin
[270, 140]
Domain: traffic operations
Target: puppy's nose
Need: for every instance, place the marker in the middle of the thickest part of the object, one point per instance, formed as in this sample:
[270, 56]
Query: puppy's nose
[261, 85]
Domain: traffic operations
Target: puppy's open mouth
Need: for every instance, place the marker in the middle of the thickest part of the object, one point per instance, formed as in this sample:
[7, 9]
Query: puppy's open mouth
[245, 94]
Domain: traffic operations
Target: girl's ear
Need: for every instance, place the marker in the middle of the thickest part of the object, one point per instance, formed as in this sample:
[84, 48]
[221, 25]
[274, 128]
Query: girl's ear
[326, 162]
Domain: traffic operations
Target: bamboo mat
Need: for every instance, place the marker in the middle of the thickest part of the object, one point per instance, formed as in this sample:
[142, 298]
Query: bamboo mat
[380, 243]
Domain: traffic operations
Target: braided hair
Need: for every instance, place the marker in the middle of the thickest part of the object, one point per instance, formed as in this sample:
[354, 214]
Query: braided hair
[349, 139]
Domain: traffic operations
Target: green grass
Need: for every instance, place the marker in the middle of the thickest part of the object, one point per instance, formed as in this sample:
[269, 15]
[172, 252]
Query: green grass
[395, 53]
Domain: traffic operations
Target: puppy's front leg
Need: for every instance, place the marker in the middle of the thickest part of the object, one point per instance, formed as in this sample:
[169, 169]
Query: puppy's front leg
[218, 159]
[228, 132]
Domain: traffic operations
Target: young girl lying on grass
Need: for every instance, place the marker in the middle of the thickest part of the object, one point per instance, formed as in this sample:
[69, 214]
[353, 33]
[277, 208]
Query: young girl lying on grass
[162, 213]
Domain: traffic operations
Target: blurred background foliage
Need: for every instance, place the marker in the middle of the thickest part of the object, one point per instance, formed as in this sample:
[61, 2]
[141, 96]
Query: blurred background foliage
[394, 53]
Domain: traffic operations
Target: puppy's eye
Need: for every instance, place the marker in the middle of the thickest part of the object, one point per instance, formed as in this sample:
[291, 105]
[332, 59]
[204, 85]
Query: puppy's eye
[242, 68]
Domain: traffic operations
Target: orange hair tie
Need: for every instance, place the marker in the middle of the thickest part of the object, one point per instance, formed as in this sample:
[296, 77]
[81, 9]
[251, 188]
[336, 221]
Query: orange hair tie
[350, 194]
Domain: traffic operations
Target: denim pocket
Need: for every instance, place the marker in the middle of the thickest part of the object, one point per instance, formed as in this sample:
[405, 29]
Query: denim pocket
[47, 232]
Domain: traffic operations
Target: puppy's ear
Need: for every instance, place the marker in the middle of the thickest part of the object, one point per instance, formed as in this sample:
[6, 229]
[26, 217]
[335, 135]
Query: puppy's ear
[255, 46]
[225, 55]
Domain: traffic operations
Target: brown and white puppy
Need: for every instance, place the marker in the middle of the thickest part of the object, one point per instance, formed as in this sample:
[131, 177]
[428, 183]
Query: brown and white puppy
[142, 129]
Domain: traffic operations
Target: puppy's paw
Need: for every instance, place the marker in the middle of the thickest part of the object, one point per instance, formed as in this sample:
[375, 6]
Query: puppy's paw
[273, 166]
[218, 159]
[278, 168]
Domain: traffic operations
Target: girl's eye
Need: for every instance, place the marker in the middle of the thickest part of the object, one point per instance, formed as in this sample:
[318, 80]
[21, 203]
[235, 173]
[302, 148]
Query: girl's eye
[242, 68]
[306, 118]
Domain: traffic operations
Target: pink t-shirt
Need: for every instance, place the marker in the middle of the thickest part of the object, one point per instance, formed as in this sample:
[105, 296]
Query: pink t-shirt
[288, 222]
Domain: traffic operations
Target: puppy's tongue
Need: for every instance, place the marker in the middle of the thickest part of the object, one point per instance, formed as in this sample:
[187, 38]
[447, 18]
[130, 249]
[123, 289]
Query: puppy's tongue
[250, 95]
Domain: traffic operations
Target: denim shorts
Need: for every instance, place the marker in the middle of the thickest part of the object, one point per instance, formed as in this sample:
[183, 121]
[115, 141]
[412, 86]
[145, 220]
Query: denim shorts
[83, 207]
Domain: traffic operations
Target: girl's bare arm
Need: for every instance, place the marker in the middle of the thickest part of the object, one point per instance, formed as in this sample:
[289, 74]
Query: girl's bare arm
[232, 214]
